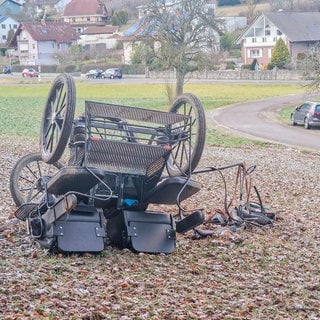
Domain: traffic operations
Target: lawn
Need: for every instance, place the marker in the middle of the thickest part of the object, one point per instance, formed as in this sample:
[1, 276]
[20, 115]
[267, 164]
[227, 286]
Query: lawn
[22, 106]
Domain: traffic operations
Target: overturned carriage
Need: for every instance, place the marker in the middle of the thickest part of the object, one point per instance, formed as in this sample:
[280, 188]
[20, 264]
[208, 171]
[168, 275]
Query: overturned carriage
[122, 159]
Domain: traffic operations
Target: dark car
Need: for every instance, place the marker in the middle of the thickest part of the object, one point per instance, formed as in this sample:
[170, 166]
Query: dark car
[307, 114]
[30, 73]
[6, 70]
[112, 73]
[94, 74]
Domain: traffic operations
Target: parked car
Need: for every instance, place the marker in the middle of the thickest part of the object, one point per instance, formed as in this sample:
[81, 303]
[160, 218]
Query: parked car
[112, 73]
[307, 114]
[6, 70]
[94, 74]
[30, 72]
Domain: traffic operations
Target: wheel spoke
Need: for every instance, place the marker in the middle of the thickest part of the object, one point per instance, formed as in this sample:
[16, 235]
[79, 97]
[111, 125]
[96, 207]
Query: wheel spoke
[188, 152]
[27, 179]
[58, 118]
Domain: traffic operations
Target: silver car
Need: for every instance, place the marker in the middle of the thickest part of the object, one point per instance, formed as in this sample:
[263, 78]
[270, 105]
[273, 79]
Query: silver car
[112, 73]
[307, 114]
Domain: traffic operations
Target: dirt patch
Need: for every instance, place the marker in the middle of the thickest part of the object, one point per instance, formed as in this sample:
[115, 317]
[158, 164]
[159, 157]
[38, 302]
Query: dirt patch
[268, 273]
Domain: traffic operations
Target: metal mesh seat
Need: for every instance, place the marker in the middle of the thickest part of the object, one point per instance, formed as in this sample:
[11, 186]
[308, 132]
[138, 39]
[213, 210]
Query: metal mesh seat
[129, 140]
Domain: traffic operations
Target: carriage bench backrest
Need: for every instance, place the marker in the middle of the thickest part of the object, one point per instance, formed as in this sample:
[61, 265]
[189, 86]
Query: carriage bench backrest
[131, 140]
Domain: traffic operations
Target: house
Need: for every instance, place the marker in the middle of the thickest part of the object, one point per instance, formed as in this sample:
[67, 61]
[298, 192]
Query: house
[299, 30]
[10, 7]
[38, 43]
[84, 13]
[101, 38]
[6, 24]
[148, 26]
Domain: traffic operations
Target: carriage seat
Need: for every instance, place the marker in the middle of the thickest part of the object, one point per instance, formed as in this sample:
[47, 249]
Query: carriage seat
[172, 190]
[76, 179]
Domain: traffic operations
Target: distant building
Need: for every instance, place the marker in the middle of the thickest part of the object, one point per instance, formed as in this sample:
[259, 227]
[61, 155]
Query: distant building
[38, 43]
[7, 24]
[10, 7]
[82, 14]
[300, 31]
[142, 29]
[101, 38]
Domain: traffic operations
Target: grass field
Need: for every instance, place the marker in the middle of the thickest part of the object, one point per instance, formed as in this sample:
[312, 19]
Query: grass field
[22, 106]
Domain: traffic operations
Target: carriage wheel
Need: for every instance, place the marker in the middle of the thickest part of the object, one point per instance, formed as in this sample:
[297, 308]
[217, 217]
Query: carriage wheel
[28, 178]
[57, 119]
[182, 159]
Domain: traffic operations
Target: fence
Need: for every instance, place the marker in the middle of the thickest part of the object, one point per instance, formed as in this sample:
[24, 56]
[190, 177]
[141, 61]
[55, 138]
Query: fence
[233, 75]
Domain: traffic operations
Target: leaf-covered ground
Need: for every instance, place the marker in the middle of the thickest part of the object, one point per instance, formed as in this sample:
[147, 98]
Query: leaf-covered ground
[257, 273]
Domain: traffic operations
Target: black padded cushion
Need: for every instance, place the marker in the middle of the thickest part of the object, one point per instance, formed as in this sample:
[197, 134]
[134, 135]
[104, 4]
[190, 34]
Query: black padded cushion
[167, 191]
[77, 179]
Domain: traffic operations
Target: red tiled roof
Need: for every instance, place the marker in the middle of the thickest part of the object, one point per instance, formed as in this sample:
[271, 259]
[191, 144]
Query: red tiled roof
[100, 30]
[61, 32]
[84, 7]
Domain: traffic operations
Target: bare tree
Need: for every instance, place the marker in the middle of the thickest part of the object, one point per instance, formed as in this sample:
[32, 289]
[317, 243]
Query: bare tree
[181, 34]
[251, 6]
[310, 64]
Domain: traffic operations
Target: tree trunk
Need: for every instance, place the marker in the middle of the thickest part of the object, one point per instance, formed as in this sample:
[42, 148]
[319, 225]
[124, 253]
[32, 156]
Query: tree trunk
[179, 83]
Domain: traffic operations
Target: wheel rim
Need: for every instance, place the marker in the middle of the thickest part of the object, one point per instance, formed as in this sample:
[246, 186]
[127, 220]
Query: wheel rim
[29, 176]
[182, 159]
[57, 119]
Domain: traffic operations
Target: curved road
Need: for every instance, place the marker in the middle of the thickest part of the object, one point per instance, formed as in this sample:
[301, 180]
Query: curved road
[257, 119]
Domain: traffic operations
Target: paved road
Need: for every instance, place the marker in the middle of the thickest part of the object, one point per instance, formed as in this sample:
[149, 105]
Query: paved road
[257, 119]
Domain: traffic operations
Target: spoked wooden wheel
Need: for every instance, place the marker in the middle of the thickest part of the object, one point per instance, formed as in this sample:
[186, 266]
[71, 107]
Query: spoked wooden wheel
[58, 118]
[186, 155]
[29, 176]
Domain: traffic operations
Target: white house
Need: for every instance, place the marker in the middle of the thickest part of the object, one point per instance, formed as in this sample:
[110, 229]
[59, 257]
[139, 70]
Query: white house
[38, 43]
[93, 37]
[7, 24]
[300, 31]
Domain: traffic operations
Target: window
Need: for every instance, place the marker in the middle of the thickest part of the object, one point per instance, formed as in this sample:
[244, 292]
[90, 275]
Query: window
[255, 53]
[254, 40]
[88, 19]
[305, 107]
[3, 26]
[267, 31]
[4, 37]
[279, 33]
[24, 47]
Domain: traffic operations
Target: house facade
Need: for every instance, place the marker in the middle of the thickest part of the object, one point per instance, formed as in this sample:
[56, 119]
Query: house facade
[300, 31]
[6, 24]
[38, 43]
[81, 14]
[101, 38]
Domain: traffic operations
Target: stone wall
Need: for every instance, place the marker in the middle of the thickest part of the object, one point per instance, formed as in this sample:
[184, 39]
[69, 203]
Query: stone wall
[233, 75]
